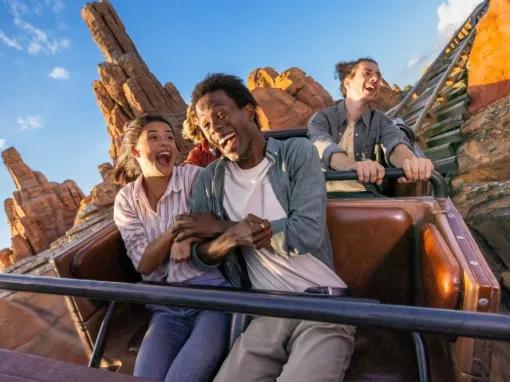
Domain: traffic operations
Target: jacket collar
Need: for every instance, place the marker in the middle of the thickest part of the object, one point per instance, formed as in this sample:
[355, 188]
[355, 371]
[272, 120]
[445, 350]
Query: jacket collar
[343, 114]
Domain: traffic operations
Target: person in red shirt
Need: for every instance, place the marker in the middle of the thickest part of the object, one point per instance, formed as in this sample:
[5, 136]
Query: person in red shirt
[202, 154]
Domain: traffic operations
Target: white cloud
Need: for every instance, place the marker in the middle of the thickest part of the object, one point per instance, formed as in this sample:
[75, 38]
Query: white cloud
[11, 42]
[29, 122]
[36, 40]
[59, 73]
[452, 14]
[34, 48]
[413, 62]
[2, 143]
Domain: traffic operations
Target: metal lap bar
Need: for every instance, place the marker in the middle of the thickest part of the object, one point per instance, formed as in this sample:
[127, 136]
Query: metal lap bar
[276, 304]
[421, 358]
[286, 134]
[97, 352]
[438, 182]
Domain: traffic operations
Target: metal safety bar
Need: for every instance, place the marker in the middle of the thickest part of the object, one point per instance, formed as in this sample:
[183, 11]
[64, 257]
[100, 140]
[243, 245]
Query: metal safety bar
[276, 304]
[438, 182]
[97, 351]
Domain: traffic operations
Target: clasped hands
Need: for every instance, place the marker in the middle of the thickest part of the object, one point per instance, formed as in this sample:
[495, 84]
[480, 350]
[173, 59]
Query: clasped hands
[252, 231]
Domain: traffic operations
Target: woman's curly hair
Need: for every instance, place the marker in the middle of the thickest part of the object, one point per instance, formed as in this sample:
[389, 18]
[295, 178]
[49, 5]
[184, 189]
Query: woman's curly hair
[190, 128]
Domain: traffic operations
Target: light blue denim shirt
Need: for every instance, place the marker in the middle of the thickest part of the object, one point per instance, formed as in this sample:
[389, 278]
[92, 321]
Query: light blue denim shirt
[299, 185]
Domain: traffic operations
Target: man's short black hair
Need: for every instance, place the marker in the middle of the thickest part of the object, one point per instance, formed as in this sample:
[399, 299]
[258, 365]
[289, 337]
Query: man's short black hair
[232, 85]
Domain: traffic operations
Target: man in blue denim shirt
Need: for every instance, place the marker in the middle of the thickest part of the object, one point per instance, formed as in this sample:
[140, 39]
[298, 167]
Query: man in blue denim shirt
[267, 230]
[346, 134]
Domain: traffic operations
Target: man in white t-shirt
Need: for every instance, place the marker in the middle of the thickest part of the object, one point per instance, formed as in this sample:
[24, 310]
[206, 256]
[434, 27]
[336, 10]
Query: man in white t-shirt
[269, 202]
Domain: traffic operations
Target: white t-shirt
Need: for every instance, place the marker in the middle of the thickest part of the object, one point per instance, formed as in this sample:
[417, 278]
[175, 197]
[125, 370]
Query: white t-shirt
[249, 191]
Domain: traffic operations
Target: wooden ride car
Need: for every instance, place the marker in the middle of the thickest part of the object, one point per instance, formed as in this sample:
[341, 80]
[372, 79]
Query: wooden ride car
[413, 251]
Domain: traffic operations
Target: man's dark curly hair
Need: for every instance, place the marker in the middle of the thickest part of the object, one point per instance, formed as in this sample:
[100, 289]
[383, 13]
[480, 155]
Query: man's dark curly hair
[346, 69]
[232, 85]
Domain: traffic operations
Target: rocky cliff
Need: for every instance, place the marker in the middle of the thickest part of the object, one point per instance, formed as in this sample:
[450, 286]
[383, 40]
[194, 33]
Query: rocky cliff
[101, 197]
[489, 67]
[481, 189]
[39, 211]
[482, 185]
[126, 88]
[287, 99]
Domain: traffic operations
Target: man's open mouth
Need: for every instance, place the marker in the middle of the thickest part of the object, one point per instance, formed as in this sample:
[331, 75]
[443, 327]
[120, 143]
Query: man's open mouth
[370, 88]
[164, 158]
[226, 140]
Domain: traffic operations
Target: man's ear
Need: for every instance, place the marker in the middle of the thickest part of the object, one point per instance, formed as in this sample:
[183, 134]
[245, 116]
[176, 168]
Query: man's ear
[135, 152]
[250, 109]
[346, 82]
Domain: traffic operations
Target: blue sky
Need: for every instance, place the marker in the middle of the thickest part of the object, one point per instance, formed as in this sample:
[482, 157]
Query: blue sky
[48, 60]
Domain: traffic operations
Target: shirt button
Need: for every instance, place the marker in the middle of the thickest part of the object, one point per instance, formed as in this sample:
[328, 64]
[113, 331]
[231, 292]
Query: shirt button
[356, 134]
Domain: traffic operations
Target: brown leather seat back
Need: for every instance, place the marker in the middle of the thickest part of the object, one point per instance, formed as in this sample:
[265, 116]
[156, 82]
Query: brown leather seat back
[441, 274]
[373, 249]
[100, 258]
[104, 259]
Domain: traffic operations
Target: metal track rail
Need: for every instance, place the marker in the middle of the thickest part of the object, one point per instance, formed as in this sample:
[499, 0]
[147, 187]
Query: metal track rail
[434, 108]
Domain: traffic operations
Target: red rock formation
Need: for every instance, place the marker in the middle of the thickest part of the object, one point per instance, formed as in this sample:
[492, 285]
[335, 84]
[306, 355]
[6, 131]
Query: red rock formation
[5, 258]
[488, 66]
[485, 153]
[287, 99]
[482, 186]
[387, 97]
[39, 211]
[101, 197]
[126, 87]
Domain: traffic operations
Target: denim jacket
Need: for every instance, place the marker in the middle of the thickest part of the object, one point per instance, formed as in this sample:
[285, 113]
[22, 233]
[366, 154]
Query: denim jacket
[326, 127]
[299, 186]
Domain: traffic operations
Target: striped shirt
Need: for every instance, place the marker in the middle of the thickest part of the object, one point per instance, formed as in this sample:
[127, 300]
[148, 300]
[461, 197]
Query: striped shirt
[139, 224]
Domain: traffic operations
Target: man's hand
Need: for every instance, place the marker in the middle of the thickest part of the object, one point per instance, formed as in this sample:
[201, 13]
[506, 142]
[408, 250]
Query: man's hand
[181, 251]
[416, 169]
[252, 231]
[204, 225]
[369, 171]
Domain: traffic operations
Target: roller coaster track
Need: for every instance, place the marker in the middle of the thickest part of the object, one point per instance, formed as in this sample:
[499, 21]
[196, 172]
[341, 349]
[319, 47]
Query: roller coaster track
[435, 107]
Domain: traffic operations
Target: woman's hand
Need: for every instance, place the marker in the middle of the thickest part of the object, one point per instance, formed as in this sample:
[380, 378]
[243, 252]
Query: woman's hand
[181, 251]
[199, 225]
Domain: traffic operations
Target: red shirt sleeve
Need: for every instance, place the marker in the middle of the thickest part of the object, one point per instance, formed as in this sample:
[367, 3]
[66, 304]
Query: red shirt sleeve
[200, 155]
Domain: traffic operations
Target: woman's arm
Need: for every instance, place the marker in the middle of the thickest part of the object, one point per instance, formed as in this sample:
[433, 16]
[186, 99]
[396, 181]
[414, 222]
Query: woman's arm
[146, 256]
[156, 253]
